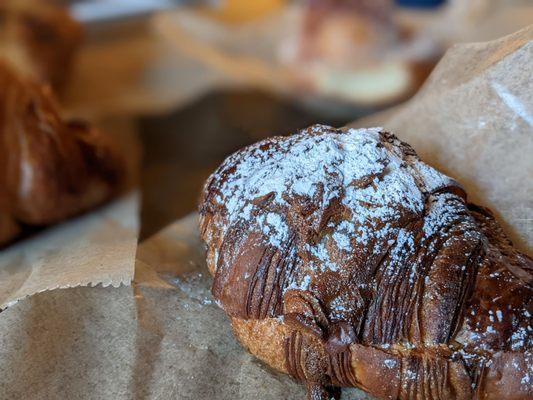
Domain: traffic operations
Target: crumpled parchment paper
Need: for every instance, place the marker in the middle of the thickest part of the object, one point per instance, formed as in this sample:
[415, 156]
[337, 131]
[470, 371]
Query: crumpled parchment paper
[253, 53]
[95, 248]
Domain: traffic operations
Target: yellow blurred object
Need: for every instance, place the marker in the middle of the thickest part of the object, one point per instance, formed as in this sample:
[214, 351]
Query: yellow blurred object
[239, 11]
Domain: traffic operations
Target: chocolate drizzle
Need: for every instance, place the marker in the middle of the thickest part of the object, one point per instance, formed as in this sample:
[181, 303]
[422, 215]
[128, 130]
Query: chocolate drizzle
[294, 354]
[371, 259]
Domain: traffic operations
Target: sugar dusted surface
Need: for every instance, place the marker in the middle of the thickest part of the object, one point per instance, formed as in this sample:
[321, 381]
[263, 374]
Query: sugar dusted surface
[353, 167]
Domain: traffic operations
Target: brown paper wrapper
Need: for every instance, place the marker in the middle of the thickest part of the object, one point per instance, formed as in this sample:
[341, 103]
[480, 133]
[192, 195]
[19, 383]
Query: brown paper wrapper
[97, 248]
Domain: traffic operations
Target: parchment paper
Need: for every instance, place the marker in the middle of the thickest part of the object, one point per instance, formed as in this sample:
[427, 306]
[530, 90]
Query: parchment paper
[95, 248]
[473, 120]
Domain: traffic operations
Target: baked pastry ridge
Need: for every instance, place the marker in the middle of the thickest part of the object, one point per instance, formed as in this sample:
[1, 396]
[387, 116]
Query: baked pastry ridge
[344, 260]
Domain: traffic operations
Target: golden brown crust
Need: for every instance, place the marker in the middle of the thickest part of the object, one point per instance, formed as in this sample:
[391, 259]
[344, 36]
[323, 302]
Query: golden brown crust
[264, 338]
[39, 39]
[370, 267]
[51, 168]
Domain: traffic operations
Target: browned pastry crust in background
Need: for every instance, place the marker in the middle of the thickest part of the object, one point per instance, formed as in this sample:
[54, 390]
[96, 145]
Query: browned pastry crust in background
[9, 228]
[39, 39]
[344, 260]
[50, 168]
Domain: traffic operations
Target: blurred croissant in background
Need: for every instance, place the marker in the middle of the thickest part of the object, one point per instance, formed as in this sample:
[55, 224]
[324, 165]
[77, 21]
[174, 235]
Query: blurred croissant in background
[39, 38]
[50, 168]
[344, 48]
[346, 32]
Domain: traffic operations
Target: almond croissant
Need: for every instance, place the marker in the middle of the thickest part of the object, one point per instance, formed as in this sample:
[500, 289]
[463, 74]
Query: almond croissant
[344, 260]
[50, 169]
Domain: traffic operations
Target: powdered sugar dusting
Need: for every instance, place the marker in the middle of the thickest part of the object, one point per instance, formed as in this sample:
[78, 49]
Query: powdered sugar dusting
[371, 175]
